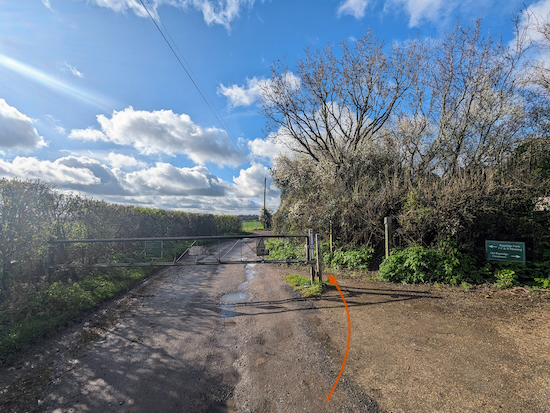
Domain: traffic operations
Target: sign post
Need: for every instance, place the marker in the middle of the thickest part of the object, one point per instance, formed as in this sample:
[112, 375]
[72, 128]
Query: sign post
[505, 251]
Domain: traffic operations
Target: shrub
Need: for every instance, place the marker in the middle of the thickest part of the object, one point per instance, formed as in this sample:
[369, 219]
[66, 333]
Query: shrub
[506, 278]
[418, 264]
[284, 250]
[353, 258]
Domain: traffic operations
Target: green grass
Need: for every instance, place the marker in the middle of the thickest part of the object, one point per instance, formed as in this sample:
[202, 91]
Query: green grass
[56, 304]
[251, 226]
[303, 284]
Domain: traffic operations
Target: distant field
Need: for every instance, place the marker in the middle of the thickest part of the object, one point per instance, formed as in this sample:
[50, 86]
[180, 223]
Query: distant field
[251, 226]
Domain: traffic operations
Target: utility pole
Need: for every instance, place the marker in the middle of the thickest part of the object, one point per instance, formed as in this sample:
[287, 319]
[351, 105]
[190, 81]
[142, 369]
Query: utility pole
[265, 186]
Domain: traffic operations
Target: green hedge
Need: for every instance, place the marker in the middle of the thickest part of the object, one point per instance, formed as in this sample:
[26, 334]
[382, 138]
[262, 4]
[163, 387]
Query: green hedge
[446, 264]
[33, 299]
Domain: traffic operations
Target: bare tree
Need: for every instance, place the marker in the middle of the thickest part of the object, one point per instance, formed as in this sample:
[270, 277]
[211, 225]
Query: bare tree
[334, 105]
[465, 109]
[538, 27]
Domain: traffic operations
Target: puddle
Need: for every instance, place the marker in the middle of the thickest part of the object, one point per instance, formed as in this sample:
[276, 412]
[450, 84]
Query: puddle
[235, 298]
[250, 265]
[243, 285]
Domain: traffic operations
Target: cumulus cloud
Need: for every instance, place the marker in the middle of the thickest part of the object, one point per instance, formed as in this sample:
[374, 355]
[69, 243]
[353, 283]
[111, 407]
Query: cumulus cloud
[56, 172]
[250, 182]
[161, 186]
[17, 130]
[163, 131]
[88, 134]
[270, 147]
[249, 93]
[244, 95]
[119, 160]
[355, 8]
[221, 12]
[166, 179]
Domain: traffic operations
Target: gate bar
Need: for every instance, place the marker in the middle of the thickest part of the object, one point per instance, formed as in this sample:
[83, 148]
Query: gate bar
[221, 237]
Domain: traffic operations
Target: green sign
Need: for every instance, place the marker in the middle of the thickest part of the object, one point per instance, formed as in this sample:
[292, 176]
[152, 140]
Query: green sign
[505, 251]
[153, 249]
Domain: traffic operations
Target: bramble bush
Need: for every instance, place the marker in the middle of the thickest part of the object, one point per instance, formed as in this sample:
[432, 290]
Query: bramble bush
[349, 257]
[419, 264]
[285, 250]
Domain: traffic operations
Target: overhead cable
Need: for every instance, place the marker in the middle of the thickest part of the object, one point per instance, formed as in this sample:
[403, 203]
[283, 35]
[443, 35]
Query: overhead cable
[196, 82]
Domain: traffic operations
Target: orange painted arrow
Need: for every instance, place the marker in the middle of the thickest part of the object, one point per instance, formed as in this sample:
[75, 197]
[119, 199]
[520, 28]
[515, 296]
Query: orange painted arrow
[332, 280]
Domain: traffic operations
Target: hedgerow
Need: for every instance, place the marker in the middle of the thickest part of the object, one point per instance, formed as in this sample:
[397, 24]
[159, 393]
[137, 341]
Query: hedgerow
[33, 298]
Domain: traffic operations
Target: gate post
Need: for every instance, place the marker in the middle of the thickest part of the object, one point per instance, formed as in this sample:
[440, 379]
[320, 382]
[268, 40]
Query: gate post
[310, 254]
[319, 257]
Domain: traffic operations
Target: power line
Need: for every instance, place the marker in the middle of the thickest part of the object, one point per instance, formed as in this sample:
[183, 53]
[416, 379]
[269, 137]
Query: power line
[203, 93]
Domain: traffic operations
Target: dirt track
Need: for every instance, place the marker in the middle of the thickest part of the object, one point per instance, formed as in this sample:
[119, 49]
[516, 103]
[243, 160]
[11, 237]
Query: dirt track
[172, 345]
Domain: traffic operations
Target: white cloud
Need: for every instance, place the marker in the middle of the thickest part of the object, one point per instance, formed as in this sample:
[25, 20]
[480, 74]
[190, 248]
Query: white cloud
[122, 6]
[532, 18]
[56, 172]
[269, 147]
[73, 70]
[160, 186]
[250, 182]
[56, 123]
[47, 4]
[423, 9]
[248, 94]
[88, 134]
[243, 95]
[355, 8]
[163, 131]
[17, 130]
[118, 160]
[536, 13]
[419, 10]
[221, 12]
[166, 179]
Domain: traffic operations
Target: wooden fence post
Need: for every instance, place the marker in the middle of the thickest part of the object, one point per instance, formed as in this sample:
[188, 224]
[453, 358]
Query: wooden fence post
[331, 237]
[389, 235]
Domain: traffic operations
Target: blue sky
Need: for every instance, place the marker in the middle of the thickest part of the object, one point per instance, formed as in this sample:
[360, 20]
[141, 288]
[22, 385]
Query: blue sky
[93, 100]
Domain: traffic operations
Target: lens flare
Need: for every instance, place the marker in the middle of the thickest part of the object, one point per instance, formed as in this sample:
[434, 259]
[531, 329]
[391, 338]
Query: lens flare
[55, 84]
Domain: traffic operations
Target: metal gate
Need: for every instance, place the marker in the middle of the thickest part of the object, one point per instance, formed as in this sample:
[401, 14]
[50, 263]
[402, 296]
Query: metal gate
[215, 250]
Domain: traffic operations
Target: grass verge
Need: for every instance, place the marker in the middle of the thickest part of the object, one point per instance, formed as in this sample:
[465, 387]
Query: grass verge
[45, 310]
[303, 284]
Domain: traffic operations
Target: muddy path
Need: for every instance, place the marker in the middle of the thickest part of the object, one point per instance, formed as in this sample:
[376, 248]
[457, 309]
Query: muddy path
[216, 338]
[236, 338]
